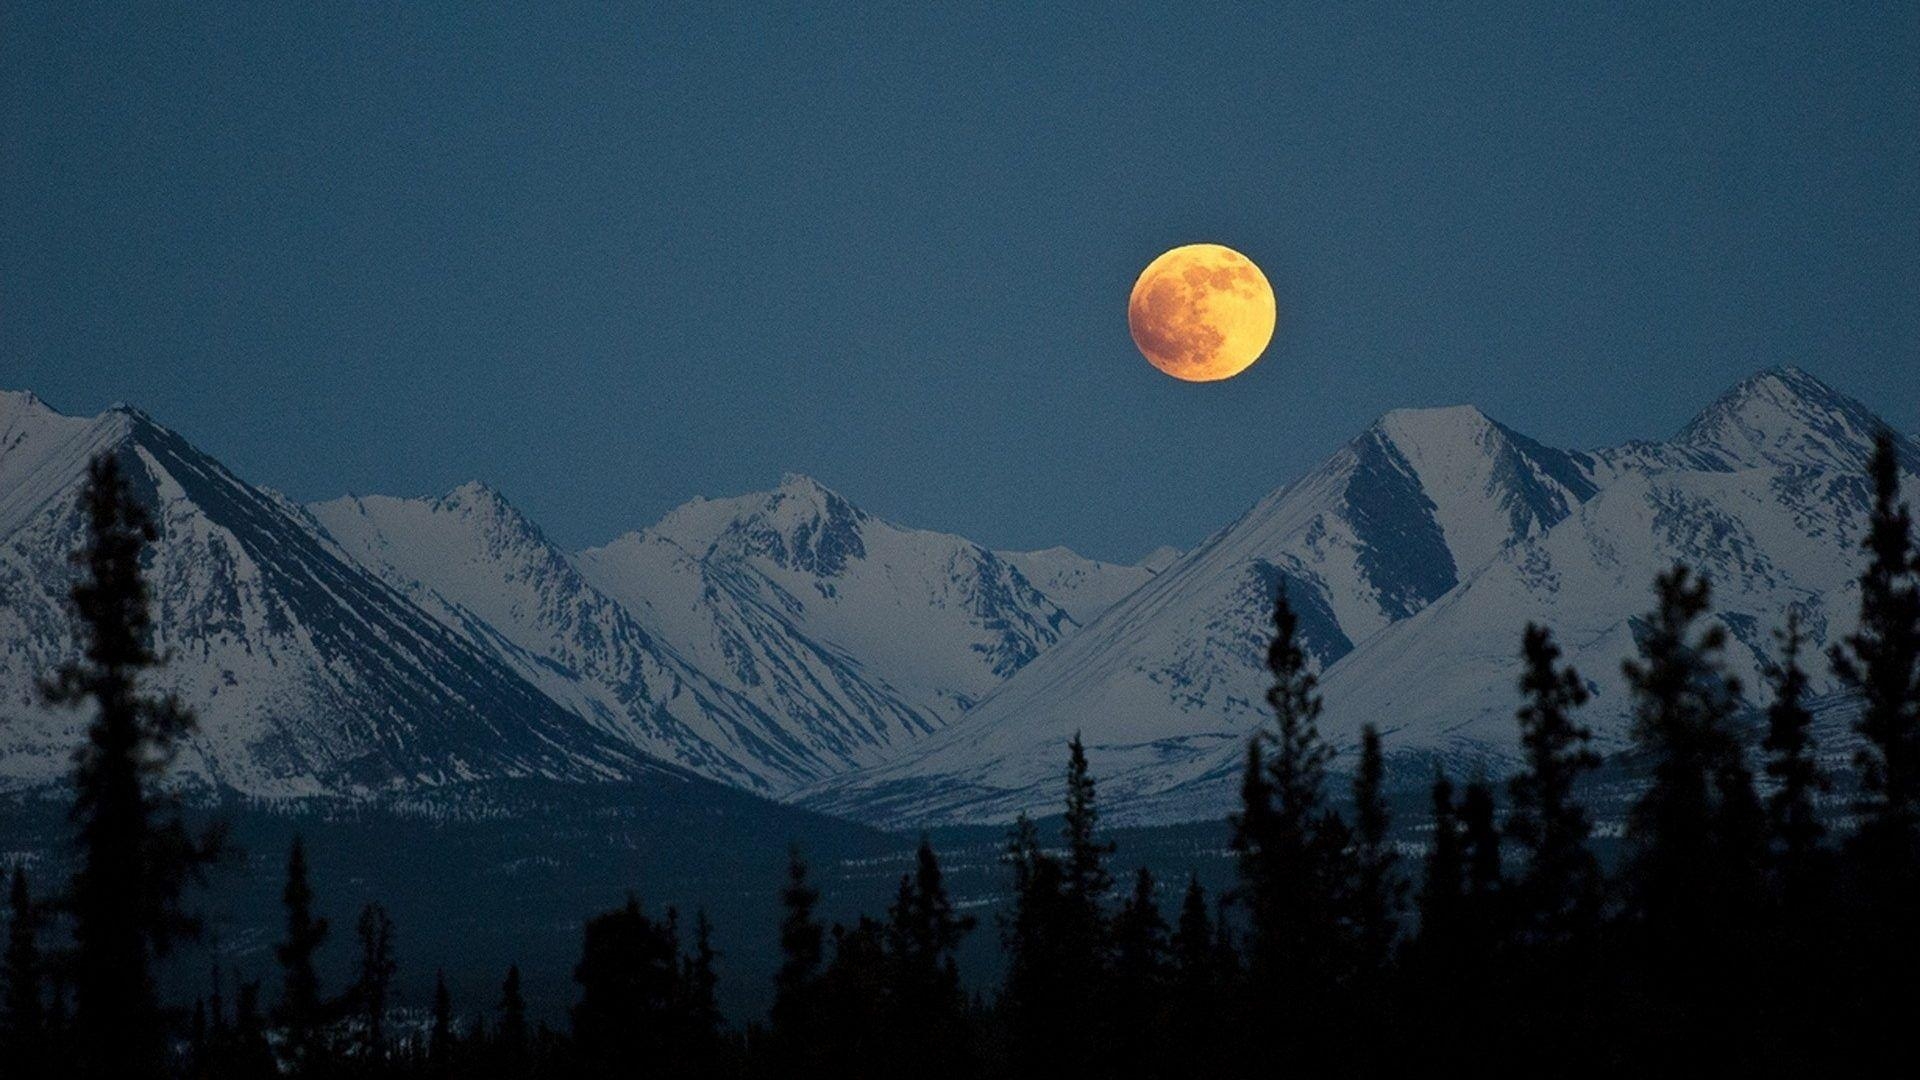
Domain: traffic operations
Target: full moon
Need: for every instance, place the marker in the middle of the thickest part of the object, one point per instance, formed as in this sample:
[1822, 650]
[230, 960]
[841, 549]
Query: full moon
[1201, 312]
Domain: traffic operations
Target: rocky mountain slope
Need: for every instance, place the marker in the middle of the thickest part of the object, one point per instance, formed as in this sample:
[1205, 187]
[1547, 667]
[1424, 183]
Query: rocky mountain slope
[1415, 555]
[310, 675]
[368, 644]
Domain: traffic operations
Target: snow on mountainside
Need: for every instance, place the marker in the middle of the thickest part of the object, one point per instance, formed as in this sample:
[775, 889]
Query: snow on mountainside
[1414, 556]
[761, 640]
[489, 573]
[792, 644]
[1082, 587]
[929, 621]
[766, 641]
[309, 674]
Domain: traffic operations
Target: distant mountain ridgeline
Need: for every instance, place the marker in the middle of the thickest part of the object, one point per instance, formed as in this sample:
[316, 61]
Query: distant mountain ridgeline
[790, 644]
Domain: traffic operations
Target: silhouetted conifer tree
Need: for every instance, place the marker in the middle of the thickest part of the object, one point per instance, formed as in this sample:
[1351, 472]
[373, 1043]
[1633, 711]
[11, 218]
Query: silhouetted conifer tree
[1441, 960]
[1693, 878]
[1557, 891]
[1137, 1013]
[1691, 830]
[1291, 852]
[1198, 986]
[1799, 933]
[251, 1056]
[923, 933]
[1039, 1001]
[1552, 906]
[1378, 894]
[1795, 830]
[440, 1036]
[1443, 882]
[23, 1024]
[510, 1046]
[699, 1049]
[373, 983]
[857, 1002]
[135, 856]
[629, 974]
[795, 1035]
[302, 1014]
[1881, 662]
[1087, 880]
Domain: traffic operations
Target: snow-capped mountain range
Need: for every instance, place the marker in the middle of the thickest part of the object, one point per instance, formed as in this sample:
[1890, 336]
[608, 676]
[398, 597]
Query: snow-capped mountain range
[789, 643]
[361, 644]
[1414, 556]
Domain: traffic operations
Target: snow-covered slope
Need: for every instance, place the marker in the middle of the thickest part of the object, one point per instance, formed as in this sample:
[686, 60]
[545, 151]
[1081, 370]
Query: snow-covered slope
[1083, 587]
[1414, 556]
[766, 640]
[827, 616]
[790, 643]
[490, 574]
[310, 675]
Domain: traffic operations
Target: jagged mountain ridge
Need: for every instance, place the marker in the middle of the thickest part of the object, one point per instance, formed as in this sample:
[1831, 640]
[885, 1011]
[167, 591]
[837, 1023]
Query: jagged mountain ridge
[789, 643]
[310, 675]
[719, 638]
[735, 643]
[1414, 557]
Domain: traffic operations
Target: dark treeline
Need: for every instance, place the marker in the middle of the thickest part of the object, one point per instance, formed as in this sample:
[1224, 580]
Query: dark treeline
[1743, 928]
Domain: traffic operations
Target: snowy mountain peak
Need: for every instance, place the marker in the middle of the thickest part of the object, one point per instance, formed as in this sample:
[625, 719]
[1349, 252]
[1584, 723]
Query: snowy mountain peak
[473, 491]
[1436, 426]
[1784, 418]
[800, 525]
[15, 402]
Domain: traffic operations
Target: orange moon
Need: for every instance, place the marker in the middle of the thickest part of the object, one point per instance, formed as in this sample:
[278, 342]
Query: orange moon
[1202, 313]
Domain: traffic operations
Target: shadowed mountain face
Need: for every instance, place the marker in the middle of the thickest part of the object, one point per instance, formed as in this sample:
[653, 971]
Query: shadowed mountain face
[367, 644]
[309, 673]
[1415, 556]
[791, 644]
[766, 640]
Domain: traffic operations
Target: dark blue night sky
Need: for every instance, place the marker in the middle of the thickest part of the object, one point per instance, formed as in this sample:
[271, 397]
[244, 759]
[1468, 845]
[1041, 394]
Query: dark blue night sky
[608, 258]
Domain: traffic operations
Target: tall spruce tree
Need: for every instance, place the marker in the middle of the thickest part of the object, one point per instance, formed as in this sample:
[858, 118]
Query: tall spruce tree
[23, 1021]
[1040, 1003]
[510, 1033]
[1443, 874]
[303, 1012]
[373, 982]
[251, 1055]
[1378, 894]
[1484, 914]
[1292, 849]
[857, 1004]
[1087, 879]
[928, 1014]
[698, 1053]
[629, 974]
[1794, 828]
[135, 856]
[1198, 992]
[1191, 946]
[1136, 1012]
[1441, 961]
[1557, 892]
[440, 1035]
[1695, 838]
[794, 1016]
[1881, 663]
[1692, 835]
